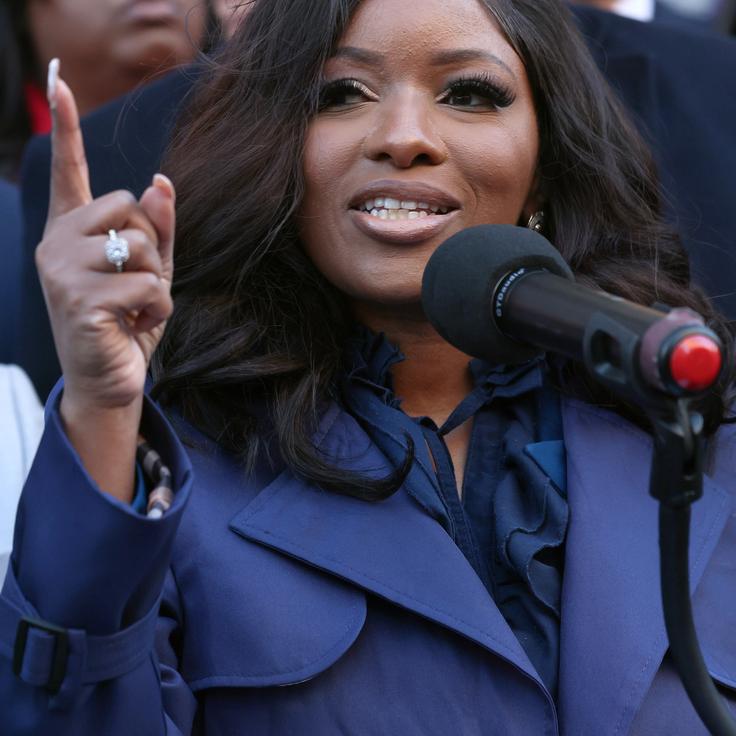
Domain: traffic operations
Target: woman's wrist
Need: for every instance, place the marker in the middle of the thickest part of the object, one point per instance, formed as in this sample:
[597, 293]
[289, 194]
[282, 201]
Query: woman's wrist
[105, 438]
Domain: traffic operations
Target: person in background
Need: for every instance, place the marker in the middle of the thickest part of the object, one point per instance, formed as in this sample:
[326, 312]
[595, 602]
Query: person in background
[11, 252]
[642, 10]
[21, 414]
[107, 47]
[703, 15]
[21, 425]
[679, 85]
[124, 142]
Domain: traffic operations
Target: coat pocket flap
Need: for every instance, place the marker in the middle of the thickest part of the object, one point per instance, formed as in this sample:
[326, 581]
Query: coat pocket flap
[264, 620]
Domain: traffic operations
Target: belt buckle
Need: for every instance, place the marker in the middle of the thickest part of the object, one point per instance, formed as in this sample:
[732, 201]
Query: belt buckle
[61, 650]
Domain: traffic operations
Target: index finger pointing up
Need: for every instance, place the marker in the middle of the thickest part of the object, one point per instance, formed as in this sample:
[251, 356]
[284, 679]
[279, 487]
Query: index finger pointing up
[69, 174]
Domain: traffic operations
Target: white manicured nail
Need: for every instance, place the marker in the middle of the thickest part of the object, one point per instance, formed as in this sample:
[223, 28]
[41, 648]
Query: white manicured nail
[51, 85]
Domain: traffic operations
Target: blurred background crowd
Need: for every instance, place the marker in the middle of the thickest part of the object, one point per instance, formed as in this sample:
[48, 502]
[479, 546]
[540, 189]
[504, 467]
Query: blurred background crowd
[713, 14]
[132, 63]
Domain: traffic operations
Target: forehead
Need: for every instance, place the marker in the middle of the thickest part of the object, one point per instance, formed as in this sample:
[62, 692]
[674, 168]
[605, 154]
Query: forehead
[413, 31]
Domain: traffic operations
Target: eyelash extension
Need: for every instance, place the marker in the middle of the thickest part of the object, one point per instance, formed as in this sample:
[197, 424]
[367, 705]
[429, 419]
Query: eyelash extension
[339, 85]
[499, 94]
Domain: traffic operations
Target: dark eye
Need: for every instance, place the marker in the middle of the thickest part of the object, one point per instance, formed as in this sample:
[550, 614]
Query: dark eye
[343, 93]
[476, 94]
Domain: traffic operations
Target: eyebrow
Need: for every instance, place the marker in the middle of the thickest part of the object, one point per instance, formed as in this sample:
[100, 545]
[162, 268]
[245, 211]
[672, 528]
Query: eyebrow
[362, 56]
[440, 58]
[456, 56]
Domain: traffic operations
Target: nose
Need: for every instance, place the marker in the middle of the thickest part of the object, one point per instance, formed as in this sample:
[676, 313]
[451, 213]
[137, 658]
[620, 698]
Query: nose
[404, 133]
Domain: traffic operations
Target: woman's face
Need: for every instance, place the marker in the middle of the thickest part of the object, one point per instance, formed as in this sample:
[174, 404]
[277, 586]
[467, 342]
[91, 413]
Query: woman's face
[427, 127]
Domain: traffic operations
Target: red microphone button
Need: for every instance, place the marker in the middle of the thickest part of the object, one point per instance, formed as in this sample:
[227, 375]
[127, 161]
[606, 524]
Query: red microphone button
[695, 363]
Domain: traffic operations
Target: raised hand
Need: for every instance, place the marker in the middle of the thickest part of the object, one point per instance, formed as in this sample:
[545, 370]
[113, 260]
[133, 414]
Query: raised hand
[106, 323]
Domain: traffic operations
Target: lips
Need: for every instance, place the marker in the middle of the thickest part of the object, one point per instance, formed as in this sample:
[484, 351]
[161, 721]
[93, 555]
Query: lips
[402, 212]
[407, 192]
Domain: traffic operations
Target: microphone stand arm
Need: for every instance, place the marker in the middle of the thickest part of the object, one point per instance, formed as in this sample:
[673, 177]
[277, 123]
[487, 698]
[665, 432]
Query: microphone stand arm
[676, 482]
[610, 353]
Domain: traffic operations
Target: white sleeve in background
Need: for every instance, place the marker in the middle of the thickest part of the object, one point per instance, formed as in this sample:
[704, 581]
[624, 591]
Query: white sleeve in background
[642, 10]
[21, 425]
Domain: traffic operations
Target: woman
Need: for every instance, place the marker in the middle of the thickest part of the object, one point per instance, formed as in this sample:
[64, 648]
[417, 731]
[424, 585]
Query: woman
[108, 47]
[372, 545]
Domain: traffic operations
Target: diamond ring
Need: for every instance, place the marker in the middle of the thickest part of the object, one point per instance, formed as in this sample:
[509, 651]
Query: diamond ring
[116, 250]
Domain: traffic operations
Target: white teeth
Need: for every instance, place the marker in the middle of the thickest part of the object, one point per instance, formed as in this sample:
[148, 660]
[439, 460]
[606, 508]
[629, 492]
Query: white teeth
[405, 209]
[401, 214]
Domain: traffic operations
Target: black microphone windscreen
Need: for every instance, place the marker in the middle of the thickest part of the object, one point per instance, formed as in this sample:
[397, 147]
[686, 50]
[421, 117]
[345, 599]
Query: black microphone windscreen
[460, 280]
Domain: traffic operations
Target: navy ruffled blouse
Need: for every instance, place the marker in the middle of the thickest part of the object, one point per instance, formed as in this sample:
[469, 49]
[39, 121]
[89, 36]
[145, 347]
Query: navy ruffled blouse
[512, 519]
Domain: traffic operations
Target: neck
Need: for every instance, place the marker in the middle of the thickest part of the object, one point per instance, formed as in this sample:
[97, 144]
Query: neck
[435, 377]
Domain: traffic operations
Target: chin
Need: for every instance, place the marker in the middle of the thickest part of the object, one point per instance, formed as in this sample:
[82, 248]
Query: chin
[399, 299]
[382, 285]
[156, 48]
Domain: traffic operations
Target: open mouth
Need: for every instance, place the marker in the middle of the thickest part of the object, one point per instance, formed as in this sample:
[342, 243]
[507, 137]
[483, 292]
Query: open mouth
[390, 208]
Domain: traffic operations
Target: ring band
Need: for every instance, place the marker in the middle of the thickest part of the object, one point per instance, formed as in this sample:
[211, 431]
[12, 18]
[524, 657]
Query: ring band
[117, 251]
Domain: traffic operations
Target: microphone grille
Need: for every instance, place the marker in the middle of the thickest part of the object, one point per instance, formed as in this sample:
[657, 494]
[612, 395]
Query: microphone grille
[461, 277]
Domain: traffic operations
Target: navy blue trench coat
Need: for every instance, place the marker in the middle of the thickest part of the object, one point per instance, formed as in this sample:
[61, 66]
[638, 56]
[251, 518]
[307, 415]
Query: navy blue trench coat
[266, 606]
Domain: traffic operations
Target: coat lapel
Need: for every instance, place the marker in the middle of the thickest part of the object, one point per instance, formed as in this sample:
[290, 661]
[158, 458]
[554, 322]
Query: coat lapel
[612, 634]
[392, 549]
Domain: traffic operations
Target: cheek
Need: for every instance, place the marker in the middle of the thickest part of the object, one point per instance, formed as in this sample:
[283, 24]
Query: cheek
[87, 25]
[194, 16]
[500, 166]
[98, 17]
[328, 156]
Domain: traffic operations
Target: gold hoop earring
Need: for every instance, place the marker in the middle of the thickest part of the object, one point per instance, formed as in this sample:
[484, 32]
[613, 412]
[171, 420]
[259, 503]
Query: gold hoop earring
[536, 222]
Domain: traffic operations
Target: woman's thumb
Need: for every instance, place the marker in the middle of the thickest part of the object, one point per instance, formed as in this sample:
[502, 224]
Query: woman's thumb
[158, 204]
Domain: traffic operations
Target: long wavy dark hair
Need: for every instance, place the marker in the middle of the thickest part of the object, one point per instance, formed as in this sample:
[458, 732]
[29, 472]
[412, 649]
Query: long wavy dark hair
[255, 345]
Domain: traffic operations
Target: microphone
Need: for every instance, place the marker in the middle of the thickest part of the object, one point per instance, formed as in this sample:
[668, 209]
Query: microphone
[505, 294]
